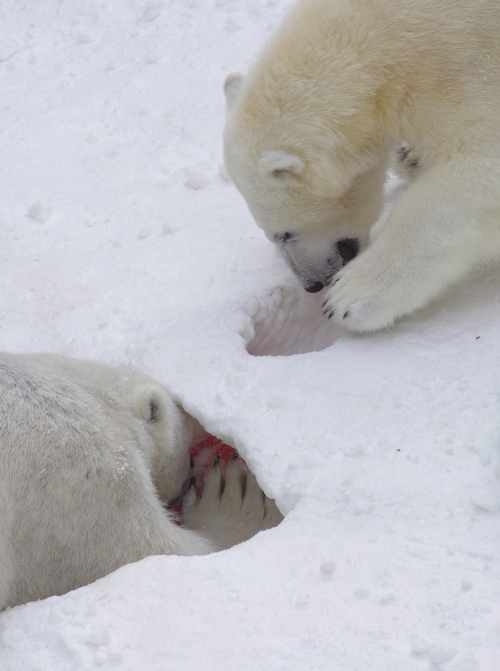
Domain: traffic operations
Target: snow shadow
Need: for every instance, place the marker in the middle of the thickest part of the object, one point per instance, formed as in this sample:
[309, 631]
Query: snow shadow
[289, 321]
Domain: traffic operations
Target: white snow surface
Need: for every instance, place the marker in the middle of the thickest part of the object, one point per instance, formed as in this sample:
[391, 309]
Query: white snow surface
[122, 240]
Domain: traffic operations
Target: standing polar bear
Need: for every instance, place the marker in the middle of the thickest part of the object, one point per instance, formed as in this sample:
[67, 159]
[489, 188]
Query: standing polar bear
[90, 455]
[310, 131]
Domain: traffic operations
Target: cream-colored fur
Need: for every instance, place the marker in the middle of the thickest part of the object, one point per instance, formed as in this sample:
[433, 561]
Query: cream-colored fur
[310, 132]
[90, 456]
[233, 495]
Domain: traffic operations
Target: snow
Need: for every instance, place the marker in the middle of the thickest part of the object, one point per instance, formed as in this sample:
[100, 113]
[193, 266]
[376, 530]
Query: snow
[40, 212]
[124, 241]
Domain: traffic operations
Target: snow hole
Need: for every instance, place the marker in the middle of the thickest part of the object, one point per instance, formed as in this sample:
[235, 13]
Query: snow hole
[288, 321]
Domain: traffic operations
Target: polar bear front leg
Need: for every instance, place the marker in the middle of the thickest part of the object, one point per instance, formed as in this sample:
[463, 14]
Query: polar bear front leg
[440, 228]
[231, 507]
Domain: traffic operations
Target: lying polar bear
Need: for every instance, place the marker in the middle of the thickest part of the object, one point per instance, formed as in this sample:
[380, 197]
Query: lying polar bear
[90, 455]
[311, 129]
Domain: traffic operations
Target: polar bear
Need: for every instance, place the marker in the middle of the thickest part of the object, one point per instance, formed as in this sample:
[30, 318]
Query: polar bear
[310, 131]
[90, 458]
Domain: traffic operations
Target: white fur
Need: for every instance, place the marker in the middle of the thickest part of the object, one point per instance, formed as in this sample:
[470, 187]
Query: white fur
[338, 88]
[89, 457]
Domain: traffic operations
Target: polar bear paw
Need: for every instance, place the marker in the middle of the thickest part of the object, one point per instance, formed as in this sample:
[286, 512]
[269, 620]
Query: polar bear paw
[363, 297]
[231, 506]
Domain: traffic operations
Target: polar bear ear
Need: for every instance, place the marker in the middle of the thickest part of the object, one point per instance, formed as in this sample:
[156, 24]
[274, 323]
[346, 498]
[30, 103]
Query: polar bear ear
[232, 87]
[150, 403]
[279, 166]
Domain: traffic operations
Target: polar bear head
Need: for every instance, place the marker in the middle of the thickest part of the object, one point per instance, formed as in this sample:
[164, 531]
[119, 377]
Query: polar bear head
[161, 429]
[312, 179]
[171, 430]
[142, 407]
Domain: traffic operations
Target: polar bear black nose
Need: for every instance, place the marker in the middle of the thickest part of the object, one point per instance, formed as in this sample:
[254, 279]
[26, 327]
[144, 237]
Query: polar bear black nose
[348, 248]
[314, 288]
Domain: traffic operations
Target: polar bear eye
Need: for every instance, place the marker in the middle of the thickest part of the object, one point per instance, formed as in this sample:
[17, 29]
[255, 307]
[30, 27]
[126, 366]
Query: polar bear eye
[283, 237]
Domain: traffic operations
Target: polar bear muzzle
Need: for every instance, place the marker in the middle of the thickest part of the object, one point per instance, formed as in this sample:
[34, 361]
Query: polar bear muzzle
[347, 250]
[314, 267]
